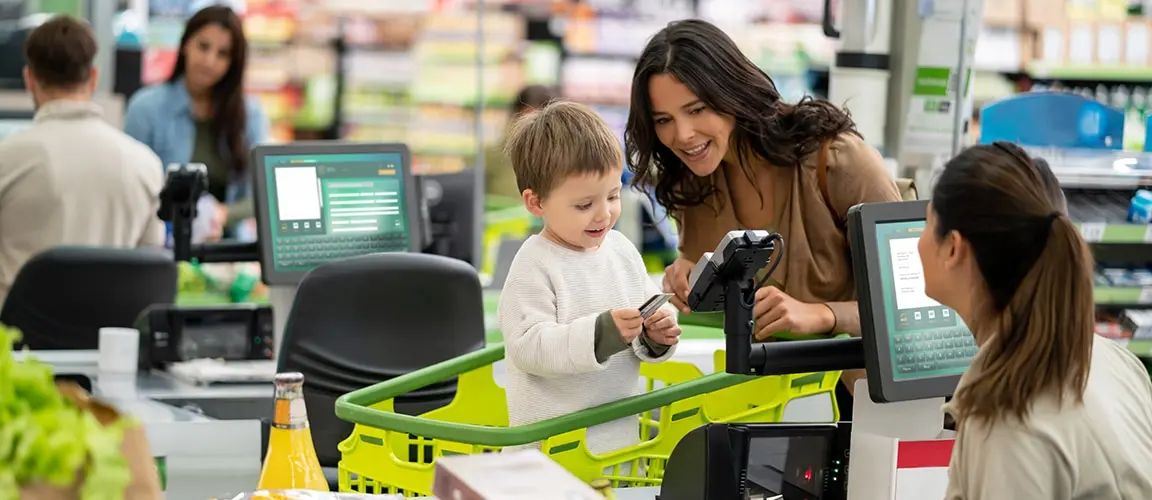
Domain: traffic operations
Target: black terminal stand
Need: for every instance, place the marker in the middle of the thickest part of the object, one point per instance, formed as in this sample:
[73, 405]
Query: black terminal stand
[725, 280]
[183, 186]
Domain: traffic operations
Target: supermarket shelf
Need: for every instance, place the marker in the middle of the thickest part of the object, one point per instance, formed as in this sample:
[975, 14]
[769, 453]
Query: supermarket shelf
[1123, 296]
[1119, 233]
[1090, 72]
[1097, 168]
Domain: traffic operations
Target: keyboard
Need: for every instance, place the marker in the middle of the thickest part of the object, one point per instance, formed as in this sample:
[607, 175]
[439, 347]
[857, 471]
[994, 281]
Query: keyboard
[215, 371]
[944, 349]
[312, 251]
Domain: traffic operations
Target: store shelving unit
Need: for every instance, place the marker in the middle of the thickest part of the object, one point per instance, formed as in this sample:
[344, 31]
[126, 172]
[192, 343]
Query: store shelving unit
[1098, 186]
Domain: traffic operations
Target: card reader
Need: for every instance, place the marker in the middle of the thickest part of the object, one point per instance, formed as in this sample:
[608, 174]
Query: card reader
[760, 462]
[170, 333]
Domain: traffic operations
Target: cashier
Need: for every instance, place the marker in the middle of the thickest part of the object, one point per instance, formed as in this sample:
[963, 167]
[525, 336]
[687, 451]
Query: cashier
[201, 115]
[710, 134]
[1047, 410]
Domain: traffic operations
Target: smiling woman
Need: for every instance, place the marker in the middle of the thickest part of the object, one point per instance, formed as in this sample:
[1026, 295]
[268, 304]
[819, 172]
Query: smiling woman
[710, 134]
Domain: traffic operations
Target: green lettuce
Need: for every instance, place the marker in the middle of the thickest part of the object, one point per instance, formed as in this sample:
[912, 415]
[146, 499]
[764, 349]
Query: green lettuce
[45, 437]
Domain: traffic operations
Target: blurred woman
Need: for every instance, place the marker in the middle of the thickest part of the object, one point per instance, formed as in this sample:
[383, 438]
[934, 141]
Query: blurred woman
[499, 180]
[1047, 410]
[200, 115]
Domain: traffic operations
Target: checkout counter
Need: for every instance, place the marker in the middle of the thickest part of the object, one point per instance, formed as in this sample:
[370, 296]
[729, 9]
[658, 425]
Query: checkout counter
[197, 455]
[208, 437]
[913, 349]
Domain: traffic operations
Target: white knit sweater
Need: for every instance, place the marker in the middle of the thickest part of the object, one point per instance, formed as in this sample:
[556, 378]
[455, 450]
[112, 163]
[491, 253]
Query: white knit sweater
[548, 313]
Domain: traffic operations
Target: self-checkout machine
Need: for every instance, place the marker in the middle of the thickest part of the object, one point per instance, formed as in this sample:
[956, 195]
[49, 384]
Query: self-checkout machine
[315, 202]
[749, 460]
[323, 201]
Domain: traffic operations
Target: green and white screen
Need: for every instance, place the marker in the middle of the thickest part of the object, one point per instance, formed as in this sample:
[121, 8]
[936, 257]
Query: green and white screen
[926, 338]
[334, 206]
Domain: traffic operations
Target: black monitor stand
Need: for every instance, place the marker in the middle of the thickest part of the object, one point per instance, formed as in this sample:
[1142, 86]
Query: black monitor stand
[183, 186]
[716, 461]
[725, 280]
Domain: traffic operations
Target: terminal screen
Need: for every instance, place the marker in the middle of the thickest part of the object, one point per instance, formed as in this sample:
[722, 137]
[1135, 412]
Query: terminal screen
[926, 339]
[324, 208]
[11, 126]
[787, 468]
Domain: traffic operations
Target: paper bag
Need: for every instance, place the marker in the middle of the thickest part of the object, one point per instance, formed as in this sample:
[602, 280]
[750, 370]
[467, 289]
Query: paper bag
[144, 483]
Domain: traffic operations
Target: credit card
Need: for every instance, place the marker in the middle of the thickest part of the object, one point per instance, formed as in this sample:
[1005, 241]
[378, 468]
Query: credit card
[653, 304]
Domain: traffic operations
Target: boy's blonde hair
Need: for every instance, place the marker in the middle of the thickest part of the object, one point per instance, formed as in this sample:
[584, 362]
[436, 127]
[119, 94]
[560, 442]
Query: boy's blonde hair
[558, 141]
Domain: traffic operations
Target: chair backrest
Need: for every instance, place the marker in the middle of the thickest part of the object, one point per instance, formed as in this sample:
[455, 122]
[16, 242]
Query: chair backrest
[367, 319]
[63, 296]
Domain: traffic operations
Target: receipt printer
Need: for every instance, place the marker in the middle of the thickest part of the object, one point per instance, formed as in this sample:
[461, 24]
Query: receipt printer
[171, 333]
[760, 462]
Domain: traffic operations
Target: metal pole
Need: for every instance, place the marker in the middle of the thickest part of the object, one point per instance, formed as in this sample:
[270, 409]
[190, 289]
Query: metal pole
[962, 83]
[101, 14]
[478, 189]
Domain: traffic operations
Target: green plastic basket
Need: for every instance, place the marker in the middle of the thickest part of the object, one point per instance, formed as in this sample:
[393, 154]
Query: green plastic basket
[503, 221]
[391, 453]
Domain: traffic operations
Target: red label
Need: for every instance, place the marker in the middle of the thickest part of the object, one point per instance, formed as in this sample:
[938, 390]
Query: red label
[920, 454]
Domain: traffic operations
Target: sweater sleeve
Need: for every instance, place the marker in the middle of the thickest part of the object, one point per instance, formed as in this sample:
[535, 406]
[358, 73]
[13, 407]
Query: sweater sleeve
[534, 340]
[856, 174]
[645, 348]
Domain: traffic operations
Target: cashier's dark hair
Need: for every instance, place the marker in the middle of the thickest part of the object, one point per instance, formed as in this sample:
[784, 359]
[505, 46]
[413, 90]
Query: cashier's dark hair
[706, 60]
[1038, 321]
[229, 114]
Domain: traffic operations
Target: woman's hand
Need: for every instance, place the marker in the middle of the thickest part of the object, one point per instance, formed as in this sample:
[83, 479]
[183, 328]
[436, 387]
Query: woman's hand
[219, 220]
[776, 311]
[676, 282]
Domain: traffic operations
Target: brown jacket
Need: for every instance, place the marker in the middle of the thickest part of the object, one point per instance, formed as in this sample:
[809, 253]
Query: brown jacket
[817, 267]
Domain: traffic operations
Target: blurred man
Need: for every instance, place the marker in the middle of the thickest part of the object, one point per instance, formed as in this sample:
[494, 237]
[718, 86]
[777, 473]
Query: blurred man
[71, 178]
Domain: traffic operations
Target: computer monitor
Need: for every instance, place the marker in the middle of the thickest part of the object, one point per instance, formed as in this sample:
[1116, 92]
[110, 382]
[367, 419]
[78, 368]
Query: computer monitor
[12, 121]
[318, 202]
[451, 203]
[914, 347]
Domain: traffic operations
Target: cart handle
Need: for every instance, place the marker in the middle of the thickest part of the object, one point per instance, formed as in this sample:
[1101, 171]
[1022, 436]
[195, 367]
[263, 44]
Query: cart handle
[354, 406]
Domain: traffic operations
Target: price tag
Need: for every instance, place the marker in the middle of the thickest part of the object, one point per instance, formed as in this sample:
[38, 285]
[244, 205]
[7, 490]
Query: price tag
[1092, 232]
[1145, 295]
[1148, 234]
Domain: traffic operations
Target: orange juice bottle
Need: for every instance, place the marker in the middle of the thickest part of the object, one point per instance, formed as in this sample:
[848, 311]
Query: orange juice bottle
[291, 461]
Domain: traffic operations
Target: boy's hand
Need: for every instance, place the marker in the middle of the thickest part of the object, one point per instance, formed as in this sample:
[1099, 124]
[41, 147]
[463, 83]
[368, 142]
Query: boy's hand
[661, 328]
[629, 322]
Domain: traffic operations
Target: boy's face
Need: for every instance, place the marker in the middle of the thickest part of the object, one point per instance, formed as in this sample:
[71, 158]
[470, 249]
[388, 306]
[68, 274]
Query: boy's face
[580, 211]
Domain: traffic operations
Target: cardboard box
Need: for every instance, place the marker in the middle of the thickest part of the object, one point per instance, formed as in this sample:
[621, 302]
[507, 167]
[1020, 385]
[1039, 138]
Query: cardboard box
[513, 475]
[1051, 46]
[1040, 14]
[1110, 50]
[1137, 43]
[1081, 40]
[1003, 13]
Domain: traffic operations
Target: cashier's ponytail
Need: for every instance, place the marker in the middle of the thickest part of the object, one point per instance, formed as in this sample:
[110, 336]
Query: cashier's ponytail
[1038, 318]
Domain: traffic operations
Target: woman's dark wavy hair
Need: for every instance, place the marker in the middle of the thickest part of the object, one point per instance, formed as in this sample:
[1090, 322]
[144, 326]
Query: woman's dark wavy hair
[228, 112]
[705, 59]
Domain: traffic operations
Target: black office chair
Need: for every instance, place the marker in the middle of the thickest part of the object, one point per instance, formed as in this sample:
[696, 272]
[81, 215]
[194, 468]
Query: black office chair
[363, 320]
[63, 296]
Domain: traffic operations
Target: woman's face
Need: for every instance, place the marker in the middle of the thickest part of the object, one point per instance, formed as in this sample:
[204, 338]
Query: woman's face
[207, 56]
[945, 274]
[691, 129]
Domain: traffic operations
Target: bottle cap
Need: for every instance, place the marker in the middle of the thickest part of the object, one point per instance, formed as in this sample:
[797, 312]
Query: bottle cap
[289, 378]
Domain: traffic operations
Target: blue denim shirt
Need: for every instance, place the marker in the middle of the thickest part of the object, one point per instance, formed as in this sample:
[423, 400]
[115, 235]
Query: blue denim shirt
[160, 116]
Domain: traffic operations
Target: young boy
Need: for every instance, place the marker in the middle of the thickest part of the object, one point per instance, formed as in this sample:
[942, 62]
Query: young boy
[574, 337]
